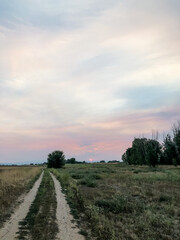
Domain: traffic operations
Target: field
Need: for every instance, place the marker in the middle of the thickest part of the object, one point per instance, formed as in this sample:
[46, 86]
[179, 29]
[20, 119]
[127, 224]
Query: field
[13, 182]
[117, 201]
[108, 201]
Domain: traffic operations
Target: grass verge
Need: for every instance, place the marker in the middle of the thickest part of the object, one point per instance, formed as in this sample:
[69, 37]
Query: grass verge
[40, 222]
[86, 215]
[13, 182]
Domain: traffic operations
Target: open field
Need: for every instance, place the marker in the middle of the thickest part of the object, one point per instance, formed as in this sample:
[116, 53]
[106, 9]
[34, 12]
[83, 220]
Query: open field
[13, 182]
[109, 201]
[124, 202]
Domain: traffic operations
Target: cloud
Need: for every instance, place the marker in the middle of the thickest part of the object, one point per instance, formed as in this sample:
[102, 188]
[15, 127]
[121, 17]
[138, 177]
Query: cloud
[66, 15]
[86, 76]
[150, 97]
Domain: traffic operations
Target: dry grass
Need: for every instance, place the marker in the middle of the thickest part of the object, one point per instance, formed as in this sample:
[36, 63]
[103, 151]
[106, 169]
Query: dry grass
[13, 182]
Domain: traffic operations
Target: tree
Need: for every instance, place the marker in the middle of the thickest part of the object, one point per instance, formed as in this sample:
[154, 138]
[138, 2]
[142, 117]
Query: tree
[152, 152]
[102, 161]
[56, 159]
[143, 151]
[169, 150]
[124, 158]
[176, 139]
[139, 150]
[129, 156]
[71, 160]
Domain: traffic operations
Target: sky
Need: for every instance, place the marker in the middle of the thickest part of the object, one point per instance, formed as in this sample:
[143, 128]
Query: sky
[86, 76]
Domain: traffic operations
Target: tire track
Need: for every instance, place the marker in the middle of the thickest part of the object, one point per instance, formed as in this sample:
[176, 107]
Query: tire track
[8, 232]
[67, 229]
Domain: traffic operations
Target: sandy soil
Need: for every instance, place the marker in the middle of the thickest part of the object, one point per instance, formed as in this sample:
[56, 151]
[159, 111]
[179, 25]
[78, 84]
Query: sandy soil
[8, 232]
[67, 229]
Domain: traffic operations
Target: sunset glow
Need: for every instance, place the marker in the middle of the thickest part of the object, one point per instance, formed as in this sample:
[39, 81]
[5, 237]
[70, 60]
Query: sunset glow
[91, 159]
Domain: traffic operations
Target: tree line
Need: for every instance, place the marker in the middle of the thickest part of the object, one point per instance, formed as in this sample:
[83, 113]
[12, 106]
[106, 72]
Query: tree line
[150, 152]
[57, 159]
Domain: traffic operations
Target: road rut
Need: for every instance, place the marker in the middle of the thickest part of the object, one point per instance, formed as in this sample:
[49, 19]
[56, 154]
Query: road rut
[67, 229]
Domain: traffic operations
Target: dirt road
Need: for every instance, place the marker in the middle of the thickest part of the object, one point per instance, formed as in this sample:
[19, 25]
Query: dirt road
[66, 224]
[8, 232]
[67, 229]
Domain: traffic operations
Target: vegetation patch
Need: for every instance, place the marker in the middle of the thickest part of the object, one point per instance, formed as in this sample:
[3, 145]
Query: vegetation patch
[88, 181]
[124, 204]
[119, 204]
[40, 222]
[13, 182]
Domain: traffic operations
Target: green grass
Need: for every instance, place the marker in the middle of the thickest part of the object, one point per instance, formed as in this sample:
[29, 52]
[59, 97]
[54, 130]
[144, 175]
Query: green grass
[40, 222]
[117, 201]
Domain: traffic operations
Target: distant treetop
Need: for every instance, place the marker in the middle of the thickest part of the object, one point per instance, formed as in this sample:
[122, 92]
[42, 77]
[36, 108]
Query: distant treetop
[56, 159]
